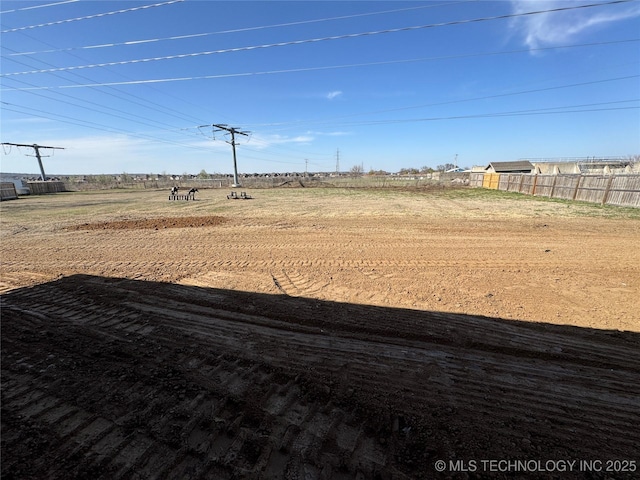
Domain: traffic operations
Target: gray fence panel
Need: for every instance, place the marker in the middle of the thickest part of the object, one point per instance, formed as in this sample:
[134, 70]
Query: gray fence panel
[592, 188]
[476, 179]
[528, 184]
[544, 185]
[8, 191]
[624, 191]
[565, 186]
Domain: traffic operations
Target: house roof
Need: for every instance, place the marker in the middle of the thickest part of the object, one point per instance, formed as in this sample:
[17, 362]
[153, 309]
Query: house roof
[519, 166]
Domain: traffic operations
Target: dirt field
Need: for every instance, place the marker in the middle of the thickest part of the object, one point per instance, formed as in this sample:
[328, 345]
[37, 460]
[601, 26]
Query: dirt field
[319, 333]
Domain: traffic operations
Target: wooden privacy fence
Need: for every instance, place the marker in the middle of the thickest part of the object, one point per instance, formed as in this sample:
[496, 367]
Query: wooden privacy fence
[620, 190]
[8, 191]
[39, 188]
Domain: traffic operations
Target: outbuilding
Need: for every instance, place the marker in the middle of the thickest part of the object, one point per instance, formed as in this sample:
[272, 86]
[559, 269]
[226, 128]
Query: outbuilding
[520, 166]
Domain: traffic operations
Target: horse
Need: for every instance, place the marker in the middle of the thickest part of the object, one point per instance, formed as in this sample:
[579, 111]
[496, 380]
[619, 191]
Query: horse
[192, 193]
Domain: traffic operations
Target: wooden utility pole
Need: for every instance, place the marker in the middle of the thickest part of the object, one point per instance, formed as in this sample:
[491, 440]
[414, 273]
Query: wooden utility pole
[232, 131]
[36, 148]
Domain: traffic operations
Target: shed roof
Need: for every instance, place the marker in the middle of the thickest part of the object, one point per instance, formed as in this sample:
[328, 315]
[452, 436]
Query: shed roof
[519, 166]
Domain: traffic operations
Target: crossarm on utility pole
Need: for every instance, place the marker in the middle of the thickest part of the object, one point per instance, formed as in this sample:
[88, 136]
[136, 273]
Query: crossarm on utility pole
[36, 148]
[232, 131]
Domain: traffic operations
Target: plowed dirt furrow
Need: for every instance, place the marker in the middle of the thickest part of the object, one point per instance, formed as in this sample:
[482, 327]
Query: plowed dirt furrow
[522, 341]
[527, 343]
[272, 386]
[118, 452]
[119, 316]
[392, 266]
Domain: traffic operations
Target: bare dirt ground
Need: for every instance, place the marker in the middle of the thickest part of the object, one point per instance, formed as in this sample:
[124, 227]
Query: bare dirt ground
[318, 333]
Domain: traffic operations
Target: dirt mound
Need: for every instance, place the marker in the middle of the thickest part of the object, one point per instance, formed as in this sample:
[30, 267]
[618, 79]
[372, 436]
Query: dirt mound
[116, 378]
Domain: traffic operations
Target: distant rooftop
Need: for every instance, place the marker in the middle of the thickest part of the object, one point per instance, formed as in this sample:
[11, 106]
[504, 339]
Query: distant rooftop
[604, 158]
[506, 167]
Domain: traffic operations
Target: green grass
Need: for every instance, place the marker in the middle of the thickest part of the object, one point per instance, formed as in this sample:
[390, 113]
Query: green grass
[586, 209]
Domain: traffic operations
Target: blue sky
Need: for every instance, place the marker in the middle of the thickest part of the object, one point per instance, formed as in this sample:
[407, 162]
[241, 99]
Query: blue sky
[126, 86]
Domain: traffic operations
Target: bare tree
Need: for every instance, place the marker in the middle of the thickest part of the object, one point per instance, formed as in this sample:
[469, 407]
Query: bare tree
[445, 167]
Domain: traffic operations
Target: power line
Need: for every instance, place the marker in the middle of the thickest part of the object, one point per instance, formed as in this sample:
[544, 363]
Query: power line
[70, 100]
[38, 6]
[312, 40]
[237, 30]
[134, 99]
[111, 91]
[332, 120]
[363, 123]
[97, 15]
[524, 112]
[514, 113]
[487, 97]
[127, 116]
[93, 125]
[328, 67]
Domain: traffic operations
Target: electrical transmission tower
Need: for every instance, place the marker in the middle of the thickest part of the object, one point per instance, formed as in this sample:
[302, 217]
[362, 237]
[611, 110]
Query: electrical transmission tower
[36, 148]
[232, 131]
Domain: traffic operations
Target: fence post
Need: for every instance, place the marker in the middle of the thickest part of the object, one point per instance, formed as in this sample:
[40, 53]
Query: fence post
[575, 192]
[535, 183]
[553, 187]
[606, 190]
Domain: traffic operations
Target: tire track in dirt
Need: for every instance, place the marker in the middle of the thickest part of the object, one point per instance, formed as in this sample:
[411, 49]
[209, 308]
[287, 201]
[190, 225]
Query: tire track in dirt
[216, 383]
[123, 442]
[426, 264]
[296, 284]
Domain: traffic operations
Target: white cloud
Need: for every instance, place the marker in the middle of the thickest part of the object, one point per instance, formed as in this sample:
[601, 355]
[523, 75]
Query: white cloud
[329, 134]
[334, 94]
[556, 28]
[266, 141]
[102, 153]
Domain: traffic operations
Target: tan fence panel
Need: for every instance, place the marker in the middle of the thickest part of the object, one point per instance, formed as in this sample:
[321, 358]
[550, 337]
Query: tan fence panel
[8, 191]
[486, 181]
[491, 180]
